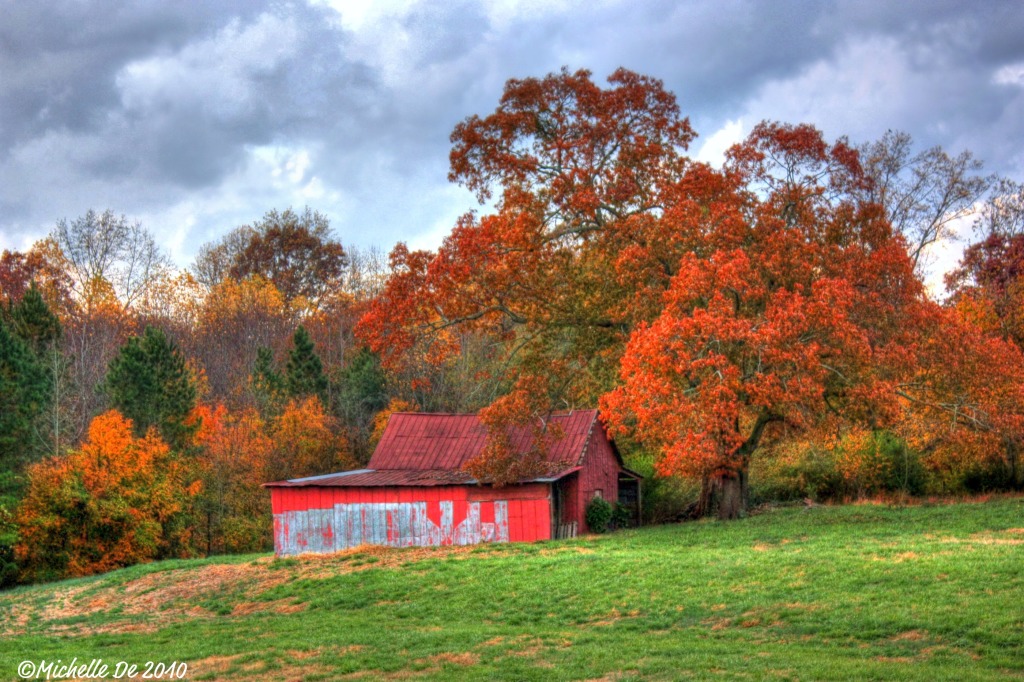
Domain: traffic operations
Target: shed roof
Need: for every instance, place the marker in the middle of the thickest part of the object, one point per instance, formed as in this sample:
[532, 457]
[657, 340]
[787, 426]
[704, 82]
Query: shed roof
[420, 440]
[430, 449]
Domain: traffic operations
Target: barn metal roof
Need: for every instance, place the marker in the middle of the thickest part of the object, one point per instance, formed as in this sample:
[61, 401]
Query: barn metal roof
[430, 449]
[369, 478]
[418, 440]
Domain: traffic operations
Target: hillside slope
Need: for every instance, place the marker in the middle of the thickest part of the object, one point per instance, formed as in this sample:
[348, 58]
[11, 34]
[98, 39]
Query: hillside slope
[857, 592]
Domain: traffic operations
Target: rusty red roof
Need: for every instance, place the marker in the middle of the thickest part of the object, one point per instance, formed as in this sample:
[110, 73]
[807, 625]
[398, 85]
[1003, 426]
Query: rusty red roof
[369, 478]
[429, 449]
[419, 440]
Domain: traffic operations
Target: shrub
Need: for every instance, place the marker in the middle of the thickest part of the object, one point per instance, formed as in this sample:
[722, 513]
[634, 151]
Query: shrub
[599, 513]
[664, 498]
[9, 495]
[859, 464]
[622, 516]
[113, 502]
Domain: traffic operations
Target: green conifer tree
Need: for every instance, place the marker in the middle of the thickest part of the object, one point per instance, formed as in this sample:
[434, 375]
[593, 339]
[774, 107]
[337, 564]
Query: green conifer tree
[266, 383]
[33, 321]
[24, 392]
[149, 382]
[304, 374]
[362, 388]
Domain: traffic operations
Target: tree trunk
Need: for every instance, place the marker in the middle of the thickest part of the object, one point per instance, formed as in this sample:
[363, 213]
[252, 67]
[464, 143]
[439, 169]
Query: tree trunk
[727, 495]
[734, 496]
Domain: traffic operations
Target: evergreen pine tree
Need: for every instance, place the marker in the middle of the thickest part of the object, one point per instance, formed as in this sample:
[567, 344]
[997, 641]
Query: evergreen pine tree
[304, 374]
[149, 382]
[266, 383]
[362, 390]
[34, 322]
[24, 392]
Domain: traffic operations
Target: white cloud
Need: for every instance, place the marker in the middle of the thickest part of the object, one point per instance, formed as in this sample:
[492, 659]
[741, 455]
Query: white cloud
[943, 256]
[1011, 74]
[855, 92]
[714, 147]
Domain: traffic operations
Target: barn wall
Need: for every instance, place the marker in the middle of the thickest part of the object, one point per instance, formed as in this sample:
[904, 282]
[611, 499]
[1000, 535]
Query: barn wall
[324, 520]
[600, 472]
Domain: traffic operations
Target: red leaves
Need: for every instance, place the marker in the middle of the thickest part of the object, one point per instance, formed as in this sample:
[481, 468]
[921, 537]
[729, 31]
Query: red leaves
[725, 302]
[525, 406]
[786, 328]
[585, 146]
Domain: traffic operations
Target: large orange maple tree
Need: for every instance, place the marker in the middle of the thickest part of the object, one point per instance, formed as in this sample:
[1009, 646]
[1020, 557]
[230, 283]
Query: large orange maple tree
[706, 309]
[560, 272]
[796, 318]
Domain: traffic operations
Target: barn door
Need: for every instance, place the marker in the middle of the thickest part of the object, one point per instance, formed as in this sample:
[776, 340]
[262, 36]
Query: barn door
[560, 529]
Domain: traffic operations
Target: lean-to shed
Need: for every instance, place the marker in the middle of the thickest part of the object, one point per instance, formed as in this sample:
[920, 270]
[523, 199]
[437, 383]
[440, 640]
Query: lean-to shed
[414, 491]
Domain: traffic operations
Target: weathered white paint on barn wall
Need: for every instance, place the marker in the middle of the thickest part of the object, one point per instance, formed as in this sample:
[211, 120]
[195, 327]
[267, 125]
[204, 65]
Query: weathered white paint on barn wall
[393, 524]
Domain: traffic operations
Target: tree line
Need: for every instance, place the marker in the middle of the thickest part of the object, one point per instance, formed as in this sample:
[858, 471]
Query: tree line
[764, 316]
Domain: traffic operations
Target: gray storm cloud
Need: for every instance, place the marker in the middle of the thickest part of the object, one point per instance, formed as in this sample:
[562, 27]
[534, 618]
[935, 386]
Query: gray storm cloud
[196, 117]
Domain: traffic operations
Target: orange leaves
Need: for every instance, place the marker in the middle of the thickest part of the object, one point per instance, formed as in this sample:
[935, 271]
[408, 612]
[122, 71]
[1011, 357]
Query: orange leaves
[555, 274]
[235, 320]
[254, 295]
[965, 399]
[234, 460]
[233, 440]
[589, 146]
[526, 405]
[103, 506]
[788, 328]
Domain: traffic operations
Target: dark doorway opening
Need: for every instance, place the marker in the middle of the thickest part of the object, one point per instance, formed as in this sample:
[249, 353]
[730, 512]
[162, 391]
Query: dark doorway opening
[560, 528]
[629, 497]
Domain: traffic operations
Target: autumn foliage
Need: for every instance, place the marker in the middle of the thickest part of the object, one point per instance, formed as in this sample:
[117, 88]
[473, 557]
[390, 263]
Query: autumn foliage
[766, 317]
[233, 462]
[110, 503]
[711, 311]
[306, 442]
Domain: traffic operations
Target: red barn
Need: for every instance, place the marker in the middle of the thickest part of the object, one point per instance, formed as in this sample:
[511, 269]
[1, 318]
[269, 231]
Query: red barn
[414, 492]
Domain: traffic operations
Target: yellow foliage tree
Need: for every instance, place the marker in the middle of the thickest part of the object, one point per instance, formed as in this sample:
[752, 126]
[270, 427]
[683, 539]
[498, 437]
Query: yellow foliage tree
[307, 442]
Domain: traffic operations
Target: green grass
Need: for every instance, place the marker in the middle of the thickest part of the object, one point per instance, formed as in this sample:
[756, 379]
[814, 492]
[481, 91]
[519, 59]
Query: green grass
[856, 592]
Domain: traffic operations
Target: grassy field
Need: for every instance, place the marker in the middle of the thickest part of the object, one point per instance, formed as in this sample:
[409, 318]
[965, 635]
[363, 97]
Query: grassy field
[857, 592]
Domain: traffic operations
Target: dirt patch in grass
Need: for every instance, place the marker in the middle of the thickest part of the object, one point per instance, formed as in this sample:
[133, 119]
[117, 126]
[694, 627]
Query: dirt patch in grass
[152, 601]
[526, 646]
[1010, 536]
[614, 616]
[993, 538]
[290, 673]
[896, 558]
[212, 665]
[18, 617]
[247, 608]
[462, 659]
[910, 636]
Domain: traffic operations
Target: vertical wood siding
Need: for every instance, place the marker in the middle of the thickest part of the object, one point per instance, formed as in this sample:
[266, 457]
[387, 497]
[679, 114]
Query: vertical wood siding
[600, 472]
[324, 520]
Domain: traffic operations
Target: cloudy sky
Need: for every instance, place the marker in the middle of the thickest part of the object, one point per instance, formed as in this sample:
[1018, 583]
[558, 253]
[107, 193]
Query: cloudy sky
[195, 117]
